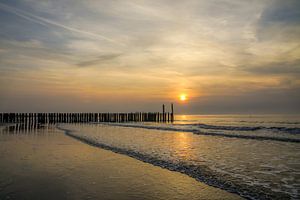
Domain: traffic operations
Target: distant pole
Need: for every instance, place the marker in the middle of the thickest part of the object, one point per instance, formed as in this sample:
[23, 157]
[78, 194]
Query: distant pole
[172, 112]
[163, 112]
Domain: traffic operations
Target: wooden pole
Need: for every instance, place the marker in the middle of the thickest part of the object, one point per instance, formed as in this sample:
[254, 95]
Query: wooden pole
[163, 119]
[172, 114]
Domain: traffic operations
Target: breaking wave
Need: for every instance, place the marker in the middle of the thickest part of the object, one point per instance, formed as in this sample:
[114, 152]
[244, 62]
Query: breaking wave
[282, 134]
[293, 130]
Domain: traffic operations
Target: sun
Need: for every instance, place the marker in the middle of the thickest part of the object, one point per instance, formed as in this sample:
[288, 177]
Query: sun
[182, 97]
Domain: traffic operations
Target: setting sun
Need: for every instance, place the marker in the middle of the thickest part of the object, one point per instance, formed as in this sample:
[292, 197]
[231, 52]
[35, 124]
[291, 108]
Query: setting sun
[182, 97]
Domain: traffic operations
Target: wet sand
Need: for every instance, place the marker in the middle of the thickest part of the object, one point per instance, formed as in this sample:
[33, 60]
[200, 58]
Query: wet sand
[47, 164]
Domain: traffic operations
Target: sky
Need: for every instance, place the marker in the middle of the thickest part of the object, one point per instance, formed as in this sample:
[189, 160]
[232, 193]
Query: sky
[226, 56]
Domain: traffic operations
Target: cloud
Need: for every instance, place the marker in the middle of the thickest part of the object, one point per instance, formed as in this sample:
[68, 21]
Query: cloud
[99, 60]
[47, 22]
[280, 21]
[292, 68]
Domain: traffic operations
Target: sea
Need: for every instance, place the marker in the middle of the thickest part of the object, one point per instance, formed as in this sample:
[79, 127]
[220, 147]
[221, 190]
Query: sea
[254, 156]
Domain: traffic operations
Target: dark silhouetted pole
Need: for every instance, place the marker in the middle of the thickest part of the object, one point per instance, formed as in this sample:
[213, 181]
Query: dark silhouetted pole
[164, 117]
[172, 114]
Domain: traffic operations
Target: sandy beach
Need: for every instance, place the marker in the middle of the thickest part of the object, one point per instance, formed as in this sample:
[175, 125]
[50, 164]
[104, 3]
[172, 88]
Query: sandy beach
[47, 164]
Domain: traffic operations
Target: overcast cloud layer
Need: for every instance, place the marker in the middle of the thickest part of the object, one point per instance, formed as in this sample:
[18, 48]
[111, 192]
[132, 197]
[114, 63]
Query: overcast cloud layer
[228, 56]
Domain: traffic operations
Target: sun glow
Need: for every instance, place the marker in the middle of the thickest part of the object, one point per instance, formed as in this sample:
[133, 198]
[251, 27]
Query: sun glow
[182, 97]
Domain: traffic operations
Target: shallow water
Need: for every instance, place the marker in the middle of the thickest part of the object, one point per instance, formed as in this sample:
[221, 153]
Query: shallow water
[256, 167]
[262, 127]
[44, 163]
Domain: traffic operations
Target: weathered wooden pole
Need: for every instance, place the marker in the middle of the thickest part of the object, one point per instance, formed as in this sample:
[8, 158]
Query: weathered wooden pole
[172, 112]
[164, 118]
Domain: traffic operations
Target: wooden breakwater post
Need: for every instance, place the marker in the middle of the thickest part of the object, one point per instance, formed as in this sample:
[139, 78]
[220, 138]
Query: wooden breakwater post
[50, 118]
[172, 112]
[166, 116]
[163, 113]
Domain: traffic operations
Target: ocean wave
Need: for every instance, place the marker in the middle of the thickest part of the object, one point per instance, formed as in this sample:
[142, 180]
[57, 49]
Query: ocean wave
[263, 122]
[230, 128]
[291, 130]
[199, 172]
[219, 134]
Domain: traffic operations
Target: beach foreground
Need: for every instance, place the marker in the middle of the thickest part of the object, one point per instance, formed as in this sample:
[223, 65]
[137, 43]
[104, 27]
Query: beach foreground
[47, 164]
